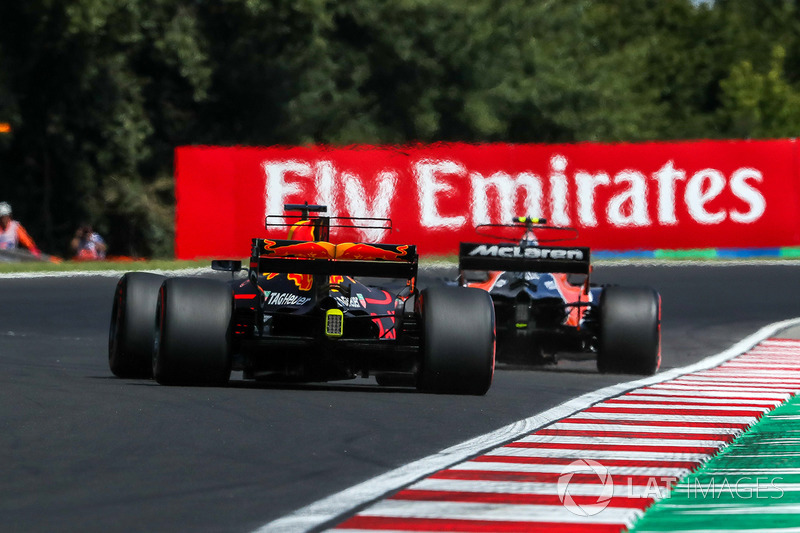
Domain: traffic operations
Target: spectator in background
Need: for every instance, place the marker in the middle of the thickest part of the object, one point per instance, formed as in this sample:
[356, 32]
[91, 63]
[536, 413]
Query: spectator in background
[12, 234]
[88, 245]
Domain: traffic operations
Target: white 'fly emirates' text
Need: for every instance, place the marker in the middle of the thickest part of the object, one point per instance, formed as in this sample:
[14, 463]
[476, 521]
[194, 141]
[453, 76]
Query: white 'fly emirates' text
[560, 197]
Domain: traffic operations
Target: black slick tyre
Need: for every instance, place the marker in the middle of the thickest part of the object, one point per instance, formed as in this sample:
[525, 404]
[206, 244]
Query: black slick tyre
[630, 330]
[193, 340]
[458, 340]
[133, 325]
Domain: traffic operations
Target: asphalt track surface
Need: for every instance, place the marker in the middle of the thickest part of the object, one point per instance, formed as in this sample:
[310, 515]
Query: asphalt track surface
[83, 451]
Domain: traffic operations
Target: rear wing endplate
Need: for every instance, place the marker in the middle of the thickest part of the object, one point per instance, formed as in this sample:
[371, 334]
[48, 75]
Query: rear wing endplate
[518, 258]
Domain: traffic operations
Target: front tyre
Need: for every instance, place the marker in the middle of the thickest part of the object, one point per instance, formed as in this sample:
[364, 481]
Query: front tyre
[194, 329]
[458, 340]
[630, 330]
[133, 325]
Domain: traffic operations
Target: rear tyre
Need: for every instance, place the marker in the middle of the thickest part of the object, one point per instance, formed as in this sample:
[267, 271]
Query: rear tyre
[458, 340]
[630, 330]
[193, 340]
[133, 325]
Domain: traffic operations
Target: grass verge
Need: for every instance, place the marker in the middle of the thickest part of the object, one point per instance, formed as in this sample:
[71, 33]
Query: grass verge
[89, 266]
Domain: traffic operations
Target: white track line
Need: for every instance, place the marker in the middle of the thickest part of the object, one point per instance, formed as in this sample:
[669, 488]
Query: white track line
[485, 466]
[537, 487]
[641, 428]
[491, 511]
[103, 273]
[328, 509]
[639, 440]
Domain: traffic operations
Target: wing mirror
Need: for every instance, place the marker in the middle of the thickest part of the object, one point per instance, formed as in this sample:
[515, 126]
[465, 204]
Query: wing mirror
[226, 265]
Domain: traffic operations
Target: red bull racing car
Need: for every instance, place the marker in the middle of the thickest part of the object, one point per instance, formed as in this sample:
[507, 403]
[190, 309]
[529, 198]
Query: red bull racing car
[545, 304]
[305, 312]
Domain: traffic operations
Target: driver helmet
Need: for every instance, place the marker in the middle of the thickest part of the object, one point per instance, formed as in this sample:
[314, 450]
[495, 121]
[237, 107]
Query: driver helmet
[529, 239]
[5, 209]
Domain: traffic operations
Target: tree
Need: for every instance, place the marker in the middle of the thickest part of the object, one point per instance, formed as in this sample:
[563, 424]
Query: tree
[100, 92]
[757, 105]
[104, 89]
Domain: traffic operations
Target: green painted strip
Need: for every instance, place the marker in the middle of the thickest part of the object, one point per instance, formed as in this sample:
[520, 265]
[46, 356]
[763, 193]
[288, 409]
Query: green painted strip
[791, 252]
[753, 484]
[706, 253]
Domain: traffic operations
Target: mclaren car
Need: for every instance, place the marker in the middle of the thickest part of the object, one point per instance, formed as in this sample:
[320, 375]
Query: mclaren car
[547, 306]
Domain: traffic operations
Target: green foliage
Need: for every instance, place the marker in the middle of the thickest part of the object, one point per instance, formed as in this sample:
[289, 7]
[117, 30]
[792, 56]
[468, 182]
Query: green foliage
[102, 88]
[758, 104]
[100, 92]
[137, 213]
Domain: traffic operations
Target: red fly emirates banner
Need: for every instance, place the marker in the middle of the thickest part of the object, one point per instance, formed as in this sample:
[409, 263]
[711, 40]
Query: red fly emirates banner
[711, 194]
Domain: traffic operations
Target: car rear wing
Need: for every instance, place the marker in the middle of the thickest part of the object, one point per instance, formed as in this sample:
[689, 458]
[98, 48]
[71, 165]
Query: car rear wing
[325, 258]
[519, 258]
